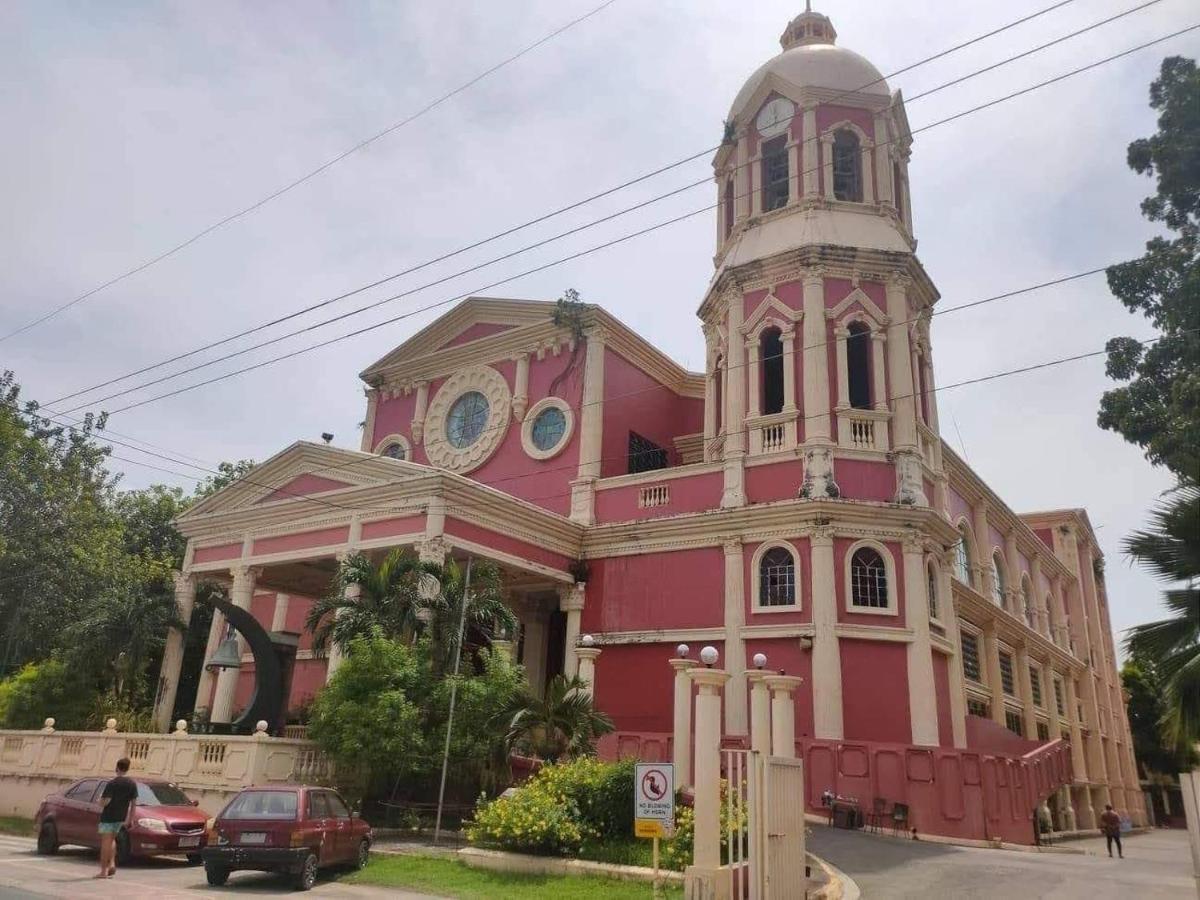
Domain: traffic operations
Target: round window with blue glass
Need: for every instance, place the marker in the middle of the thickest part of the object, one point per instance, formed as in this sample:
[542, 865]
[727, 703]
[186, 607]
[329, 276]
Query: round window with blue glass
[466, 420]
[548, 428]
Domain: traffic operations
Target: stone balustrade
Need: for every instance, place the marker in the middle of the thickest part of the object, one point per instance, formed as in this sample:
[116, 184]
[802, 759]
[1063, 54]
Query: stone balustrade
[210, 768]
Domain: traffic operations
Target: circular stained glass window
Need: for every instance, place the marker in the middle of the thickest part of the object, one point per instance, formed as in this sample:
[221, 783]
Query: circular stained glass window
[466, 420]
[549, 428]
[395, 450]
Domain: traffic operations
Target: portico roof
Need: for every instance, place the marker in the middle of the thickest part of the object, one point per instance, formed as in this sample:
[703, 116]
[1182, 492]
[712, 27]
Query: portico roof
[314, 502]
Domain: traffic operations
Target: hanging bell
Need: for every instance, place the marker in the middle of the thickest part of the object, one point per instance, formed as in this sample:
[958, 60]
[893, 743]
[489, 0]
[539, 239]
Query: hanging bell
[227, 656]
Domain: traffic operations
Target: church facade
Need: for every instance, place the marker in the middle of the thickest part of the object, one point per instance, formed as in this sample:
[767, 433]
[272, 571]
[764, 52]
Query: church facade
[794, 499]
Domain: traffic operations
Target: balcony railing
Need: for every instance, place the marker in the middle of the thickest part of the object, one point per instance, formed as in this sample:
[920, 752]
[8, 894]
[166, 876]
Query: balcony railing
[863, 429]
[772, 434]
[654, 495]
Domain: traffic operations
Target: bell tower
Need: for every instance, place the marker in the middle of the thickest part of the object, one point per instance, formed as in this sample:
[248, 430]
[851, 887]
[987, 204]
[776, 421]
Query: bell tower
[816, 318]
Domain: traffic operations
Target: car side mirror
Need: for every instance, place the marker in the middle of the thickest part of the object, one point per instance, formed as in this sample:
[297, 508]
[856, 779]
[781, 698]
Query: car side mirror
[195, 803]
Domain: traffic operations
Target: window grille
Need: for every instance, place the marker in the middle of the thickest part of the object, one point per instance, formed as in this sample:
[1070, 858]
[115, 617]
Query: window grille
[931, 591]
[970, 656]
[1043, 731]
[1006, 674]
[977, 708]
[868, 579]
[777, 578]
[645, 455]
[1035, 683]
[1058, 698]
[962, 561]
[847, 167]
[1013, 722]
[775, 178]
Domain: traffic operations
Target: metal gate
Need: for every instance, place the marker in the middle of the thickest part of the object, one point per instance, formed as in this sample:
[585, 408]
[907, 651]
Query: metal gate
[764, 826]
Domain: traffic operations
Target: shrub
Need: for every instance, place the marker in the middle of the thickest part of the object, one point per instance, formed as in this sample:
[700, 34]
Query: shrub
[533, 819]
[47, 688]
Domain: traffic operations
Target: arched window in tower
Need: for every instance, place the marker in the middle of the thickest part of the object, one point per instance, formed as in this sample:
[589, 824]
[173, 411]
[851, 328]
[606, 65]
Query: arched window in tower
[868, 579]
[1027, 605]
[727, 206]
[774, 173]
[962, 558]
[858, 364]
[770, 349]
[997, 580]
[777, 578]
[847, 166]
[931, 590]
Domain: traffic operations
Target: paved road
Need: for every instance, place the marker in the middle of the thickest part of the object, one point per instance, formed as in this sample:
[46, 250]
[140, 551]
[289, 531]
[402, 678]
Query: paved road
[24, 876]
[1156, 865]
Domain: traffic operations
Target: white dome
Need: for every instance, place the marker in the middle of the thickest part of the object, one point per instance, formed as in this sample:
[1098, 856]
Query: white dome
[815, 65]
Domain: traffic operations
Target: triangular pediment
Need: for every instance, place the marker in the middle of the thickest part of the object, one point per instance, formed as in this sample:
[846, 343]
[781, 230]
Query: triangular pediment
[773, 309]
[858, 298]
[475, 319]
[306, 470]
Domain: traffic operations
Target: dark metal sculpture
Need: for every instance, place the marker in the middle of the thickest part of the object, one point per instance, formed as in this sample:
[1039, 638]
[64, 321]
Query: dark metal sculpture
[266, 703]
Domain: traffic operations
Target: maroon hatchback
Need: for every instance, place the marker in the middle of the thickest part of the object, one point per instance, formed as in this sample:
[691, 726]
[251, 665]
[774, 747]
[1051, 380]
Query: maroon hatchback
[162, 820]
[291, 829]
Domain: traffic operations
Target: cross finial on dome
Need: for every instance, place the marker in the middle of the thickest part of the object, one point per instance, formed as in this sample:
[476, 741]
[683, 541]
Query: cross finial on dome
[808, 28]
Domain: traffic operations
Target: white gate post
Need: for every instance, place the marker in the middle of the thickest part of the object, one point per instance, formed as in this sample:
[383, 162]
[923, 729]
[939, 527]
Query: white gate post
[760, 706]
[783, 714]
[704, 880]
[587, 656]
[681, 740]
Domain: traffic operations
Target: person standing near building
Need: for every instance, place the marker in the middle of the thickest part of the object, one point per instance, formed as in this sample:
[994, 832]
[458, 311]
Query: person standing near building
[1110, 826]
[115, 801]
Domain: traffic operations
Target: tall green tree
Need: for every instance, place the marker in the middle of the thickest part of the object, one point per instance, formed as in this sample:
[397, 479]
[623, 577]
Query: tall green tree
[1159, 406]
[1170, 548]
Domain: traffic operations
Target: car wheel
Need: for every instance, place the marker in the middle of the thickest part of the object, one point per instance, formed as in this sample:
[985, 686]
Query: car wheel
[364, 854]
[47, 840]
[124, 848]
[307, 876]
[216, 875]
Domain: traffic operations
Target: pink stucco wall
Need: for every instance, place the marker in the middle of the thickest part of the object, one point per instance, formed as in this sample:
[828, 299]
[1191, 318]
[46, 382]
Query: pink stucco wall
[475, 332]
[323, 537]
[863, 479]
[875, 691]
[696, 493]
[959, 507]
[941, 686]
[633, 401]
[218, 552]
[681, 589]
[635, 686]
[392, 527]
[777, 481]
[784, 655]
[304, 485]
[505, 544]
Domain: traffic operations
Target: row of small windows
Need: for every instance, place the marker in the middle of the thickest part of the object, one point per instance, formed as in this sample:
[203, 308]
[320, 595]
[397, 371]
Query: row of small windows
[963, 573]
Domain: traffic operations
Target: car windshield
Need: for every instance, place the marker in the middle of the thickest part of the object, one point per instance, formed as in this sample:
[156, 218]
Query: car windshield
[262, 805]
[161, 794]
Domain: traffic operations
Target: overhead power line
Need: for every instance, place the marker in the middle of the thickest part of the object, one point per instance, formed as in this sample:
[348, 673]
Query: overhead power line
[583, 202]
[593, 249]
[308, 176]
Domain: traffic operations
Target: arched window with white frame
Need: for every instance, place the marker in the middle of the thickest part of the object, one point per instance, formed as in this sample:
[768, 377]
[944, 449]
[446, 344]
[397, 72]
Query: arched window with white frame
[847, 166]
[858, 364]
[776, 574]
[962, 557]
[770, 350]
[869, 579]
[998, 584]
[931, 590]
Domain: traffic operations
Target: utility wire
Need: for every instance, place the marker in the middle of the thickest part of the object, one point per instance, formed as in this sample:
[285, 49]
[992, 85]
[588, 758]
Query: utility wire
[571, 206]
[429, 107]
[614, 242]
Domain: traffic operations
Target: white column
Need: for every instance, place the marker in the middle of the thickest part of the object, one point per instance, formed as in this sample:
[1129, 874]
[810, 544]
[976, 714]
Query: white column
[868, 183]
[816, 358]
[827, 166]
[172, 660]
[958, 689]
[983, 548]
[754, 381]
[1078, 755]
[883, 166]
[204, 685]
[591, 417]
[279, 618]
[922, 691]
[520, 401]
[586, 657]
[422, 404]
[910, 484]
[1189, 784]
[534, 658]
[760, 710]
[916, 380]
[878, 367]
[734, 493]
[681, 739]
[1012, 562]
[710, 387]
[741, 180]
[826, 653]
[334, 655]
[783, 714]
[755, 167]
[1025, 689]
[991, 650]
[367, 445]
[794, 163]
[700, 879]
[840, 335]
[735, 646]
[1039, 596]
[571, 601]
[788, 337]
[809, 154]
[241, 593]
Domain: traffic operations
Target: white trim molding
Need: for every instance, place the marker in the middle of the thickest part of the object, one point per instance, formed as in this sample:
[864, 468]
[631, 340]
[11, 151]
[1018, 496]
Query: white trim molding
[492, 385]
[530, 419]
[889, 566]
[394, 439]
[756, 605]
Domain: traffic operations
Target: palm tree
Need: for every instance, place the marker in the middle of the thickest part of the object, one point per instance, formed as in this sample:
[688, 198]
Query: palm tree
[562, 722]
[1170, 548]
[407, 599]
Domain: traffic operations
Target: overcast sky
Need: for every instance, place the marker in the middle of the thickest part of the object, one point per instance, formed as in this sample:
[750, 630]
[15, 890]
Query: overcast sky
[130, 126]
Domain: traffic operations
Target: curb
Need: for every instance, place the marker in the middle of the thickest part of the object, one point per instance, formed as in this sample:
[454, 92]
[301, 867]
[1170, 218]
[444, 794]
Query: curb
[840, 887]
[500, 861]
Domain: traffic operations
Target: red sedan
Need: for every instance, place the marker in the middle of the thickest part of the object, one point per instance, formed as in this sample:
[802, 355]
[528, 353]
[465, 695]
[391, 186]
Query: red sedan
[292, 829]
[162, 820]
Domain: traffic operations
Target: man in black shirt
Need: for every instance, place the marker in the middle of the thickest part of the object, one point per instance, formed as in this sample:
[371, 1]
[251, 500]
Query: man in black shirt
[115, 801]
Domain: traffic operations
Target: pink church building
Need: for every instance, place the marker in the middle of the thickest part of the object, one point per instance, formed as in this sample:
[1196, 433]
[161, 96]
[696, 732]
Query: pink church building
[795, 498]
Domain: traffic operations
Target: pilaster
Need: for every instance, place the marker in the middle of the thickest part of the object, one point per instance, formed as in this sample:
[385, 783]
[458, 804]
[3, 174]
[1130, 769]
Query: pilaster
[571, 602]
[922, 690]
[591, 418]
[734, 493]
[241, 593]
[172, 660]
[735, 646]
[419, 410]
[809, 161]
[681, 741]
[520, 401]
[909, 481]
[826, 652]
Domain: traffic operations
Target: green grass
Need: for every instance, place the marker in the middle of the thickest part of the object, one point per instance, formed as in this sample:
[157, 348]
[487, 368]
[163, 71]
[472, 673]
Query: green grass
[16, 825]
[451, 878]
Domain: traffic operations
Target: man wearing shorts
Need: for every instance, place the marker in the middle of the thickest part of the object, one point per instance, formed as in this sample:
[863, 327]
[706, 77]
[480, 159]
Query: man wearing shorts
[115, 800]
[1110, 826]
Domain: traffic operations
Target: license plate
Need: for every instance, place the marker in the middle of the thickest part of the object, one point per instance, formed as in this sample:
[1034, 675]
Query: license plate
[254, 837]
[189, 841]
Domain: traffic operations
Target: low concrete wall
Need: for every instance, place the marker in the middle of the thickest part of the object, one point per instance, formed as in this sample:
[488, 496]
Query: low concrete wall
[209, 768]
